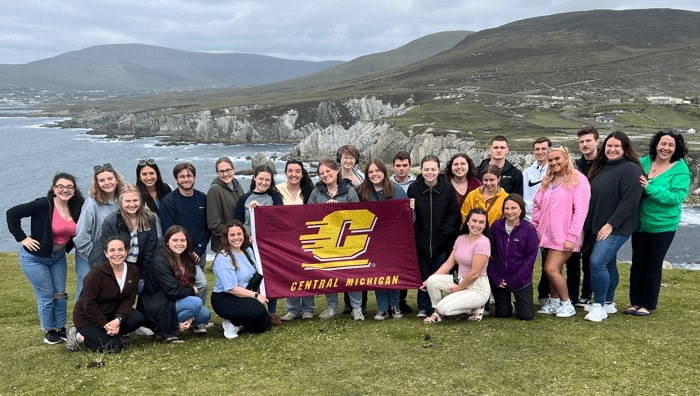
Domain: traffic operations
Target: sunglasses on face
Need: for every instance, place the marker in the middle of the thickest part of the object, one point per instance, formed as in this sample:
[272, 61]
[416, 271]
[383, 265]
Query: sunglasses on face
[147, 161]
[102, 168]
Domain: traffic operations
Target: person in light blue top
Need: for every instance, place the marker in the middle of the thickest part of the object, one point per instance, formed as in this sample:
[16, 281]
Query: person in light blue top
[377, 186]
[231, 299]
[103, 201]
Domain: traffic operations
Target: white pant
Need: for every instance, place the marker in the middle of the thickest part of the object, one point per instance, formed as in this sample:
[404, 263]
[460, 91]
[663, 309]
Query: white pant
[474, 296]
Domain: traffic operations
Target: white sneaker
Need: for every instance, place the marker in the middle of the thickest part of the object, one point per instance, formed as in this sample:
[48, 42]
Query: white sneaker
[381, 315]
[610, 308]
[596, 313]
[357, 314]
[144, 331]
[328, 313]
[200, 328]
[230, 330]
[307, 315]
[290, 316]
[566, 311]
[550, 309]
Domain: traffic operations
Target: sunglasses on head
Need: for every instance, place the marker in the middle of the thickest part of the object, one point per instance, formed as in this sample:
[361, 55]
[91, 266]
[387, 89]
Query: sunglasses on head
[147, 161]
[558, 147]
[670, 132]
[103, 167]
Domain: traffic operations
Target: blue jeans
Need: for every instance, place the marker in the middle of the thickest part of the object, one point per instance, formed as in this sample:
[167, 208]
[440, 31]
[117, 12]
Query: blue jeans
[48, 279]
[298, 305]
[81, 269]
[386, 298]
[604, 274]
[192, 307]
[355, 300]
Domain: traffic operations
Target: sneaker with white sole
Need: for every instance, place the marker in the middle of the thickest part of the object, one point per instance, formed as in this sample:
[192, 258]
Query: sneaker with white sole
[200, 328]
[596, 313]
[328, 313]
[550, 309]
[381, 315]
[582, 302]
[357, 314]
[72, 343]
[396, 312]
[307, 315]
[610, 308]
[566, 311]
[230, 330]
[51, 337]
[422, 314]
[290, 316]
[144, 331]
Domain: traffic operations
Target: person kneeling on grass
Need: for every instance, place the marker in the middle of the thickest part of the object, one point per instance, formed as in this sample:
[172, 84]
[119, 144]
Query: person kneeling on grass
[471, 289]
[231, 299]
[104, 312]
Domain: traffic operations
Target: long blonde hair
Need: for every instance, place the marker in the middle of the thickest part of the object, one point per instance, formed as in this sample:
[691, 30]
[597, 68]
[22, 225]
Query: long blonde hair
[143, 217]
[570, 177]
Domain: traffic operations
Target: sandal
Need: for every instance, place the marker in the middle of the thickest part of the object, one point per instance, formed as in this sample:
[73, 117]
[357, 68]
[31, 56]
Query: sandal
[434, 318]
[477, 314]
[631, 310]
[639, 312]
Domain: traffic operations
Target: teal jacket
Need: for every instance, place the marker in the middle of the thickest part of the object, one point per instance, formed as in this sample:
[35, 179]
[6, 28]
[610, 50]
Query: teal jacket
[663, 197]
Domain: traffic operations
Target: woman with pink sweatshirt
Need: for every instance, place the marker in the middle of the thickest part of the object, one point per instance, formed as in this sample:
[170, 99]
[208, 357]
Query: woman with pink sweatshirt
[559, 212]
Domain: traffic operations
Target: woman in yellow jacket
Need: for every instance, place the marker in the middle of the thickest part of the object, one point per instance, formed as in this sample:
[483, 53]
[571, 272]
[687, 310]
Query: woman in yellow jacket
[489, 196]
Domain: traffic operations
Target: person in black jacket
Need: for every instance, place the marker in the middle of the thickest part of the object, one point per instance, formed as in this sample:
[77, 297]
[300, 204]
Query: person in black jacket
[168, 298]
[511, 177]
[133, 223]
[43, 253]
[437, 222]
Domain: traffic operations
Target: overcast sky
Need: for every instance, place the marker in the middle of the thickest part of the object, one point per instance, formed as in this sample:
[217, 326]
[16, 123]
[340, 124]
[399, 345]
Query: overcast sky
[294, 29]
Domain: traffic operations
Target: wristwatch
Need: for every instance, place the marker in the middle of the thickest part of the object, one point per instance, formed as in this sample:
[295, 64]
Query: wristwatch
[256, 296]
[119, 318]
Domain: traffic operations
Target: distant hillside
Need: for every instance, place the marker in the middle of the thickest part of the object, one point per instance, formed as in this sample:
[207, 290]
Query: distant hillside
[635, 52]
[416, 50]
[138, 67]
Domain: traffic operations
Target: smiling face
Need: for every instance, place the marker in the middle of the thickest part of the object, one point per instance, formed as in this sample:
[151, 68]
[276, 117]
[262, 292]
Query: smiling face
[64, 189]
[347, 161]
[107, 182]
[115, 251]
[225, 172]
[294, 174]
[148, 176]
[130, 203]
[430, 170]
[177, 243]
[557, 160]
[613, 149]
[540, 152]
[185, 180]
[666, 148]
[235, 237]
[328, 175]
[376, 176]
[476, 223]
[491, 182]
[460, 167]
[512, 211]
[262, 182]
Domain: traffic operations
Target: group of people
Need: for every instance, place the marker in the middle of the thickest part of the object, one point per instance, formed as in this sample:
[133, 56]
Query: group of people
[141, 249]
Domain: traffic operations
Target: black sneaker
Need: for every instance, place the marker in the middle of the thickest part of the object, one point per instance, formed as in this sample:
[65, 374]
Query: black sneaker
[405, 308]
[347, 309]
[51, 337]
[62, 333]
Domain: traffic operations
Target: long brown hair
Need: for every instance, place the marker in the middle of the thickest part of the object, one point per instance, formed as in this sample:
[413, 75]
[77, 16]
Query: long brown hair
[186, 257]
[366, 188]
[226, 246]
[601, 160]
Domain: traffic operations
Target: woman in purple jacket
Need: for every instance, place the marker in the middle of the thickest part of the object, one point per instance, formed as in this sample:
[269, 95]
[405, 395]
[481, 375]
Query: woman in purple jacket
[560, 210]
[514, 245]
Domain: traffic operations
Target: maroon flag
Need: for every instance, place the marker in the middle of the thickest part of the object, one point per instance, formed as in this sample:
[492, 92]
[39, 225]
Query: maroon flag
[319, 249]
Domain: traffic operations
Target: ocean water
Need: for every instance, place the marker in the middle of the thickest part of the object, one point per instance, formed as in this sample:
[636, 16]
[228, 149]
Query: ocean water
[33, 153]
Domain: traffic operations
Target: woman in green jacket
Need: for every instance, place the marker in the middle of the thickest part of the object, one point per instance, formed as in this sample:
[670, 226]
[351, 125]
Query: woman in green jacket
[666, 183]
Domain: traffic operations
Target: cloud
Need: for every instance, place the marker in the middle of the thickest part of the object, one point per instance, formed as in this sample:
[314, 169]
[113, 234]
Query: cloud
[302, 29]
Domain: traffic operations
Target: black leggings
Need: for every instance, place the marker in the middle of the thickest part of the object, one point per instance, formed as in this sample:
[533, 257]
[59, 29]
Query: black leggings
[96, 337]
[242, 311]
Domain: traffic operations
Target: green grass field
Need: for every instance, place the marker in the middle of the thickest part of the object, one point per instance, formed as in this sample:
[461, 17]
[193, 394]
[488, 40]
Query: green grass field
[657, 355]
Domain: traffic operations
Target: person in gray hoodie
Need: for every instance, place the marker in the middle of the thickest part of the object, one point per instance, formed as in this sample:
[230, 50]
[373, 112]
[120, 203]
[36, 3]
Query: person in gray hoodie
[222, 198]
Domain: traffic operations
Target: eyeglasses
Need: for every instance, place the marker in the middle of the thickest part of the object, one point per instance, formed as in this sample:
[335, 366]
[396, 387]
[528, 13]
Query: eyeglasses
[225, 171]
[147, 161]
[558, 147]
[670, 132]
[61, 187]
[102, 168]
[186, 176]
